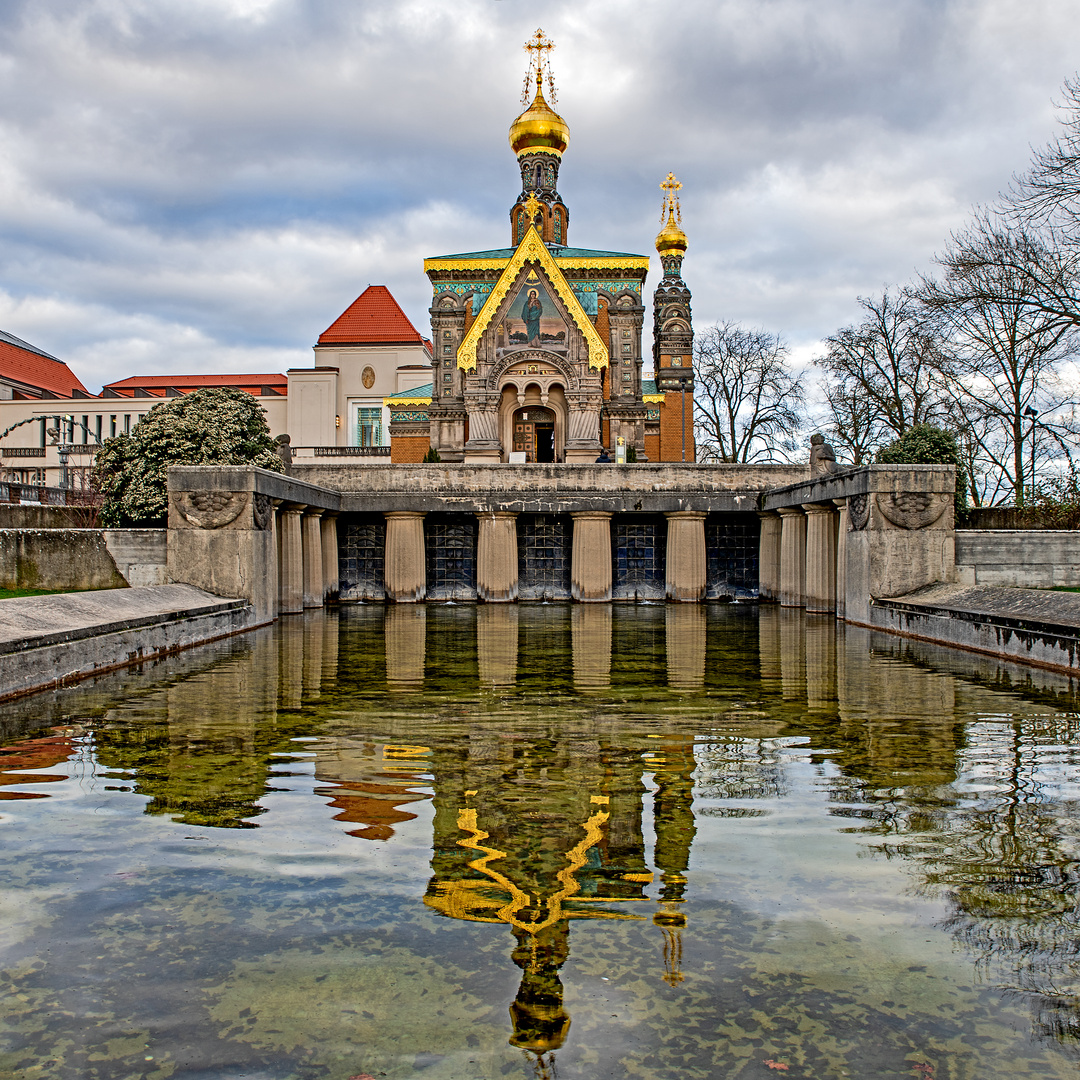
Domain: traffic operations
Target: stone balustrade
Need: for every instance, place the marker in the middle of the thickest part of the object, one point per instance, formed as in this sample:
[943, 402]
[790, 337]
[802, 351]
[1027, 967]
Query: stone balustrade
[833, 543]
[827, 544]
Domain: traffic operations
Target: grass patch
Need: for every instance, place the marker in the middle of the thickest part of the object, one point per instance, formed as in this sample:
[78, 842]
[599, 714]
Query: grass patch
[1062, 588]
[10, 594]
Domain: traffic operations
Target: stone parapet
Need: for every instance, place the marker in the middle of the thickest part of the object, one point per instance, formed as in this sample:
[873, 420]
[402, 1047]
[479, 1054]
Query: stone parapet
[548, 489]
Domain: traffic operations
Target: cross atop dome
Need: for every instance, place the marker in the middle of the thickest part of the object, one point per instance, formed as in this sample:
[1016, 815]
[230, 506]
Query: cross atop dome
[539, 49]
[671, 242]
[671, 188]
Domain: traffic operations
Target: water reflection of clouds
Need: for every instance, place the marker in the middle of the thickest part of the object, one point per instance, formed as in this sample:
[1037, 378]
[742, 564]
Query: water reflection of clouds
[537, 767]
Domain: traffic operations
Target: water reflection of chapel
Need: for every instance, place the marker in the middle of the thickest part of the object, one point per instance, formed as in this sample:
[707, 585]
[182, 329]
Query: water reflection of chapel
[537, 347]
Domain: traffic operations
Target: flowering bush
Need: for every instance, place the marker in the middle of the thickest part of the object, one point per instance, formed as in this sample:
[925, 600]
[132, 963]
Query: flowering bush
[214, 426]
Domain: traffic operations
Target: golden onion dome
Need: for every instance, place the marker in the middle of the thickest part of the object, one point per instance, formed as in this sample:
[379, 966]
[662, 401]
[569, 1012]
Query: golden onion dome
[539, 127]
[671, 240]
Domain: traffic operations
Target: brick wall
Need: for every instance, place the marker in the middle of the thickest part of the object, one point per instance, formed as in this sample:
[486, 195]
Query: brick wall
[652, 447]
[603, 328]
[671, 432]
[408, 449]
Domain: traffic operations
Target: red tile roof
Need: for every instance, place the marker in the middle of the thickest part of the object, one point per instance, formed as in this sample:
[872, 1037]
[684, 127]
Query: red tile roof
[24, 363]
[373, 318]
[156, 385]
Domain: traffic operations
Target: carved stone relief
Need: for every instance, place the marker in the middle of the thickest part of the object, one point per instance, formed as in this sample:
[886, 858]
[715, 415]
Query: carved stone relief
[913, 509]
[262, 511]
[210, 509]
[858, 512]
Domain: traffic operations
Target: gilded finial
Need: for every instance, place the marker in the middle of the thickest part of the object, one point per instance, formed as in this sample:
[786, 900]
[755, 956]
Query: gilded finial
[670, 207]
[671, 239]
[539, 49]
[539, 129]
[532, 206]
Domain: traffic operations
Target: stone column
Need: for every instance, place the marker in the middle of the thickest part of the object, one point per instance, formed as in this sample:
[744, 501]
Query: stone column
[841, 556]
[820, 586]
[405, 568]
[292, 559]
[330, 556]
[769, 556]
[311, 531]
[497, 557]
[275, 556]
[792, 556]
[590, 566]
[685, 563]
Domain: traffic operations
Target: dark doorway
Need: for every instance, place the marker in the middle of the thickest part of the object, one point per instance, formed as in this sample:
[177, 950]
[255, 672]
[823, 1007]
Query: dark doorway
[534, 434]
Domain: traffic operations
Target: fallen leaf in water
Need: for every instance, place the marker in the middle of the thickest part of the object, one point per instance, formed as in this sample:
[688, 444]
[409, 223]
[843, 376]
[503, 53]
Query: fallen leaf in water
[776, 1064]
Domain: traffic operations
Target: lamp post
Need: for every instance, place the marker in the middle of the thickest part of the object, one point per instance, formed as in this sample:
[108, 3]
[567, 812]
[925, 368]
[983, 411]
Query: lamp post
[1033, 413]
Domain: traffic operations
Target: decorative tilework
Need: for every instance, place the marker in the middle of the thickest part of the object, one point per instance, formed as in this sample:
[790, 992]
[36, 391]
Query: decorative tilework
[544, 552]
[450, 540]
[403, 416]
[731, 555]
[638, 550]
[361, 556]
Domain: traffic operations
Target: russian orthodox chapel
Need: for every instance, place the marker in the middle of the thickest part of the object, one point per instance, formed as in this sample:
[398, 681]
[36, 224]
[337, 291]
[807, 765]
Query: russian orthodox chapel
[537, 347]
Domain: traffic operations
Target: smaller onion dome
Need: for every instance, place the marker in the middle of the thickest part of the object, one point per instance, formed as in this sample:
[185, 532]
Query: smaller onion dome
[539, 127]
[671, 240]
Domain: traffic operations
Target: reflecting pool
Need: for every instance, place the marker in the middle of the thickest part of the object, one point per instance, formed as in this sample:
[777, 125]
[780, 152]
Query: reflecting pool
[461, 842]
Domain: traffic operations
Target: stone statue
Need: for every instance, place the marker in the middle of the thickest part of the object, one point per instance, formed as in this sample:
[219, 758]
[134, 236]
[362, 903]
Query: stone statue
[283, 449]
[822, 456]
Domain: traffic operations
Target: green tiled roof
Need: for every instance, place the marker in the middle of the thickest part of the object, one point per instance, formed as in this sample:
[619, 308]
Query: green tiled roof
[556, 251]
[415, 392]
[648, 386]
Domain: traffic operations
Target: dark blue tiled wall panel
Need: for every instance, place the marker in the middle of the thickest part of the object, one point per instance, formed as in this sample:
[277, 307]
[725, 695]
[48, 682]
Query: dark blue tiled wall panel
[731, 556]
[545, 542]
[450, 540]
[361, 554]
[638, 548]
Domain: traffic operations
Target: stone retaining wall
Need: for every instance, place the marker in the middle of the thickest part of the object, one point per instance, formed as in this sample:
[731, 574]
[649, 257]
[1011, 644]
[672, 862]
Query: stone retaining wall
[1025, 558]
[78, 559]
[48, 641]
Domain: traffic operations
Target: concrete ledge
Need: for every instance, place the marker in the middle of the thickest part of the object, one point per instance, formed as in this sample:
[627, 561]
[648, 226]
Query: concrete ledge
[47, 641]
[1025, 625]
[863, 480]
[1026, 558]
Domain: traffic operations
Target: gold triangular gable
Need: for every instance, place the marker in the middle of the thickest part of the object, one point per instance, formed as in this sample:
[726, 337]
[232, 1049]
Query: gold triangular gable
[531, 249]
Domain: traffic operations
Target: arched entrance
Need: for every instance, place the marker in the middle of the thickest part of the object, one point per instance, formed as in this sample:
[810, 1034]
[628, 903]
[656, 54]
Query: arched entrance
[534, 433]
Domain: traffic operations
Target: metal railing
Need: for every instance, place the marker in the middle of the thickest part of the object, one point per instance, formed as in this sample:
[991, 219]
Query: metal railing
[351, 451]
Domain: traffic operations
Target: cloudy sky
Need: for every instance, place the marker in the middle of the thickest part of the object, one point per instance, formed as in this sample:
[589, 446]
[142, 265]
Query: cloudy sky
[204, 185]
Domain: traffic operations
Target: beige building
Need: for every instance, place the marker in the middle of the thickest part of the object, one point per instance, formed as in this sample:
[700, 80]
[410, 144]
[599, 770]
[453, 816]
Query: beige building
[370, 352]
[334, 409]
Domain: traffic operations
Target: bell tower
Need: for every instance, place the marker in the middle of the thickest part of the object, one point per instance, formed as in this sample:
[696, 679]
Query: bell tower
[538, 137]
[673, 331]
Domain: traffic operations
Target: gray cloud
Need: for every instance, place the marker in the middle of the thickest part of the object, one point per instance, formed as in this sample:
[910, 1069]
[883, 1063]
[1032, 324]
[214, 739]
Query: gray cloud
[205, 185]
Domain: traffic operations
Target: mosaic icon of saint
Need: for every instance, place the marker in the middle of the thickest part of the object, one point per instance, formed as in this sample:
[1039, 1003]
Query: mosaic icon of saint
[531, 311]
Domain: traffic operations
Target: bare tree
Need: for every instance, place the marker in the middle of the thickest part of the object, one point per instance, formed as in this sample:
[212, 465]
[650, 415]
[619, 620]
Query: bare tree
[1034, 233]
[1000, 353]
[1038, 265]
[886, 365]
[748, 404]
[1049, 192]
[850, 421]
